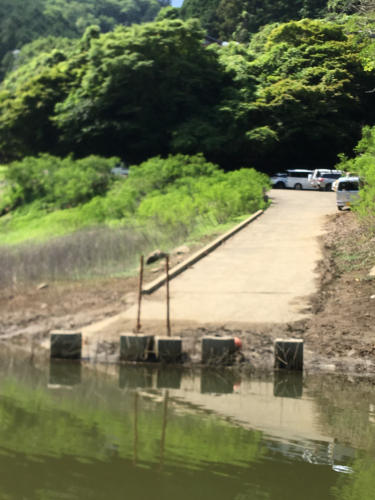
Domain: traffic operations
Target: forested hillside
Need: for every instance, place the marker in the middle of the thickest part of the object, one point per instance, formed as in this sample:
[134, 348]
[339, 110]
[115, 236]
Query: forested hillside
[23, 21]
[296, 95]
[226, 19]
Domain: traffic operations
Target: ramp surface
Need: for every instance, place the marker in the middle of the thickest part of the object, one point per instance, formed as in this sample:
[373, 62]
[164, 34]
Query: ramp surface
[264, 274]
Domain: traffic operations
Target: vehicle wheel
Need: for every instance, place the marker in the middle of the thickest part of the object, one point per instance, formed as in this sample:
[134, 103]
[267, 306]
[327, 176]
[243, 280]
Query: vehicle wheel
[297, 186]
[329, 187]
[339, 208]
[279, 185]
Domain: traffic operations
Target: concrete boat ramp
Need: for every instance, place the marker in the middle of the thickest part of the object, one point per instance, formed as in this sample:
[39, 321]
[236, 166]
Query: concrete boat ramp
[264, 274]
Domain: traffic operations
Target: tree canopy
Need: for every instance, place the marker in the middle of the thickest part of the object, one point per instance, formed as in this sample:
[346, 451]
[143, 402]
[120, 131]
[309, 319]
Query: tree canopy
[23, 22]
[297, 95]
[237, 19]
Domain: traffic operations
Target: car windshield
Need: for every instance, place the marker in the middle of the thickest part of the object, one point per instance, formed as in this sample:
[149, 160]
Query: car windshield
[348, 186]
[331, 176]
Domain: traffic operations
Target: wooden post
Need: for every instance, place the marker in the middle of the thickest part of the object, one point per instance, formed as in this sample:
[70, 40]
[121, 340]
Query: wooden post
[138, 327]
[167, 283]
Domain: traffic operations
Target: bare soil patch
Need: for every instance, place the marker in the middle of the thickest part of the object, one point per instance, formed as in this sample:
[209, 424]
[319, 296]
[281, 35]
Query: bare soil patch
[28, 312]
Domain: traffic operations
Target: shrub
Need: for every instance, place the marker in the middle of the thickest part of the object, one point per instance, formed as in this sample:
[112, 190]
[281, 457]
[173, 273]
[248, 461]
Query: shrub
[364, 166]
[180, 191]
[56, 182]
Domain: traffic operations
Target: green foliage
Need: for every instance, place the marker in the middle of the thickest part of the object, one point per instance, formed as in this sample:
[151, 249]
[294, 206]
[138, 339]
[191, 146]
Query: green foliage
[56, 183]
[139, 85]
[204, 10]
[43, 45]
[238, 19]
[168, 13]
[23, 22]
[296, 96]
[360, 484]
[307, 87]
[178, 191]
[364, 166]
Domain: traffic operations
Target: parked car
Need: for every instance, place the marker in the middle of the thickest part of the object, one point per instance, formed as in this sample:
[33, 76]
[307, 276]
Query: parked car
[318, 173]
[120, 169]
[326, 180]
[298, 179]
[278, 180]
[347, 191]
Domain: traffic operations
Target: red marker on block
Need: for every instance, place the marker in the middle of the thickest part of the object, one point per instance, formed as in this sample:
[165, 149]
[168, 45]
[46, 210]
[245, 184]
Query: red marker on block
[238, 343]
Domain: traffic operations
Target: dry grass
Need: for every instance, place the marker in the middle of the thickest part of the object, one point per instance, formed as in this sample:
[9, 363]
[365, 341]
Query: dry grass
[97, 252]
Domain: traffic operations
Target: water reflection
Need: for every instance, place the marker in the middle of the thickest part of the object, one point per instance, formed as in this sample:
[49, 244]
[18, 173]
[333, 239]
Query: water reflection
[134, 377]
[219, 383]
[288, 385]
[64, 374]
[168, 434]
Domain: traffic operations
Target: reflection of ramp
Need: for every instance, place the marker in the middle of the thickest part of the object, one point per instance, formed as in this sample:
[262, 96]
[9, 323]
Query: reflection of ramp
[252, 404]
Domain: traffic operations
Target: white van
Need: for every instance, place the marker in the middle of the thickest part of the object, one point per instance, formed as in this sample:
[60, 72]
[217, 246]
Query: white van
[347, 191]
[298, 179]
[313, 180]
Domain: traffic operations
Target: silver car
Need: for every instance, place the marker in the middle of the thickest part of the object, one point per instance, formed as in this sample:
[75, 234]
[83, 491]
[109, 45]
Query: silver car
[325, 181]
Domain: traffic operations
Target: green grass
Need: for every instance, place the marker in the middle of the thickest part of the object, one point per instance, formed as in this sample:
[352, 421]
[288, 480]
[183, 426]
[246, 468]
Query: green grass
[2, 173]
[66, 219]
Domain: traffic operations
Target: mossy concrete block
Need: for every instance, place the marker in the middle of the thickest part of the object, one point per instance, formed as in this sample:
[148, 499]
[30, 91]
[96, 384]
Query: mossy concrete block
[218, 350]
[135, 347]
[168, 348]
[66, 345]
[289, 354]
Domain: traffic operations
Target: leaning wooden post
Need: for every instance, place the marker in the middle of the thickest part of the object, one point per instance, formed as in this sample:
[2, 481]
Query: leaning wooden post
[167, 283]
[138, 327]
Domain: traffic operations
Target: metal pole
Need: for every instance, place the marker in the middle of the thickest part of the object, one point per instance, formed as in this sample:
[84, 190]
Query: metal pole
[138, 327]
[167, 283]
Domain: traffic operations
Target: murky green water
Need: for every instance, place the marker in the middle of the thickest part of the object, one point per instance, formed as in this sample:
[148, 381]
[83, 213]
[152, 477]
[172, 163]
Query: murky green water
[68, 432]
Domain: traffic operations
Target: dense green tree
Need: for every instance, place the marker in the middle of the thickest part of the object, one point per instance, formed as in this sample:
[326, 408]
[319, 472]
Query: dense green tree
[205, 11]
[307, 100]
[23, 22]
[139, 86]
[239, 18]
[29, 95]
[296, 96]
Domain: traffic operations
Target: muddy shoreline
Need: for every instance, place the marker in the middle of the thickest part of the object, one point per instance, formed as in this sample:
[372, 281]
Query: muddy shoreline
[339, 332]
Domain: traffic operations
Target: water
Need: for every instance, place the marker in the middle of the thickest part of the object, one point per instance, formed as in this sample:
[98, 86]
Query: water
[71, 432]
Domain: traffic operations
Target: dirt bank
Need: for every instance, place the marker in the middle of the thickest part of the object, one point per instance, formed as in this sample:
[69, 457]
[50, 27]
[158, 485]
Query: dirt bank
[339, 336]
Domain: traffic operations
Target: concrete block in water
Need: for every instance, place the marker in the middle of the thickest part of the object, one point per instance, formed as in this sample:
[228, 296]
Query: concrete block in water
[289, 354]
[218, 350]
[66, 345]
[288, 385]
[135, 347]
[168, 348]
